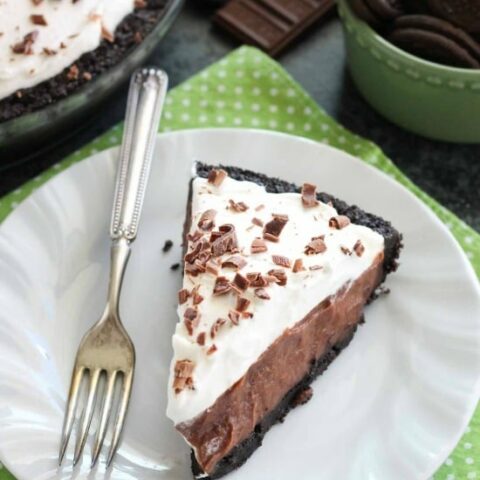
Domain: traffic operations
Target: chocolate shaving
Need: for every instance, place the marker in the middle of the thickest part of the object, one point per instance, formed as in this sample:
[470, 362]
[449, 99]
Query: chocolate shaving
[241, 282]
[226, 242]
[298, 266]
[212, 349]
[259, 207]
[191, 318]
[183, 375]
[258, 246]
[222, 286]
[140, 3]
[38, 19]
[246, 314]
[339, 222]
[345, 250]
[281, 261]
[196, 248]
[274, 227]
[183, 295]
[216, 326]
[25, 46]
[107, 35]
[261, 293]
[358, 248]
[315, 267]
[236, 261]
[207, 220]
[278, 276]
[196, 297]
[212, 267]
[37, 2]
[87, 76]
[256, 221]
[234, 317]
[73, 72]
[257, 280]
[238, 206]
[216, 177]
[309, 195]
[302, 397]
[49, 51]
[195, 236]
[201, 338]
[316, 246]
[242, 304]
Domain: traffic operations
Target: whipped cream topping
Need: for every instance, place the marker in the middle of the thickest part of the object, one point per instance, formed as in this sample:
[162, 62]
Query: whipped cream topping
[65, 31]
[239, 346]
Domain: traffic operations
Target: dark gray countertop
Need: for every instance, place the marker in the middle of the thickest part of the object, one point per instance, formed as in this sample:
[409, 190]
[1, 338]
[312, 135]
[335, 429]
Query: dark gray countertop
[448, 172]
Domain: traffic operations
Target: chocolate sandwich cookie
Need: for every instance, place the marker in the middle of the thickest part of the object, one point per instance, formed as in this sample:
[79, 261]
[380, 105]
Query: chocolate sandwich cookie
[377, 12]
[433, 46]
[463, 13]
[442, 27]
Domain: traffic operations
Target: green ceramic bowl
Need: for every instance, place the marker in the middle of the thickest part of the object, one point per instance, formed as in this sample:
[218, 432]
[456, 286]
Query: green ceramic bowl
[429, 99]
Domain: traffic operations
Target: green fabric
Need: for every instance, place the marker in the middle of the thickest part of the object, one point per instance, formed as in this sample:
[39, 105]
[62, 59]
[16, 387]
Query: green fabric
[248, 89]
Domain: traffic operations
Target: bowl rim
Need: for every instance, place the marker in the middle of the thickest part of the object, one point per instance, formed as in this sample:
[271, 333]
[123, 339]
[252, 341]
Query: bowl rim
[363, 27]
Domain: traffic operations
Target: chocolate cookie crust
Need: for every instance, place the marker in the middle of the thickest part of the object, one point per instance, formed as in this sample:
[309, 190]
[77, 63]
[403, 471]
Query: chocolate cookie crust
[129, 33]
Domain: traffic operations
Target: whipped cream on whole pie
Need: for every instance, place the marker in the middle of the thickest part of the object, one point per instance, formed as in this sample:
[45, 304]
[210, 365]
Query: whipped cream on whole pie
[40, 38]
[304, 252]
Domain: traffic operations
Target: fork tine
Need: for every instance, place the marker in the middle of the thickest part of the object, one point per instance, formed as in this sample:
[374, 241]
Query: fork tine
[70, 411]
[122, 410]
[87, 415]
[105, 415]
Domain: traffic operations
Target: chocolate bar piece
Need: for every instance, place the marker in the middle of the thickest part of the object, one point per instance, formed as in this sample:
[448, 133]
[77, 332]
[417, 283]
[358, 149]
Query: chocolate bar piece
[270, 24]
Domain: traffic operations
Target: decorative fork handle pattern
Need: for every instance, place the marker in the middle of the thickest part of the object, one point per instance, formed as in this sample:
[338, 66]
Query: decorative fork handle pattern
[147, 93]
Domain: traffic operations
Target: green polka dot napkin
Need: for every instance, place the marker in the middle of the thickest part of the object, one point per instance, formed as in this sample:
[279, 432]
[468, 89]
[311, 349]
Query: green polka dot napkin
[248, 89]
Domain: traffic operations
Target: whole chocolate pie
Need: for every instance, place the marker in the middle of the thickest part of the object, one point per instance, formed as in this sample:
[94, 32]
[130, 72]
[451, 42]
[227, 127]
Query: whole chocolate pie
[50, 48]
[275, 282]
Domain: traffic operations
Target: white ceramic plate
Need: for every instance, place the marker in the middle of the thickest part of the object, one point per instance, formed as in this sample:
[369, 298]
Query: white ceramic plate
[391, 407]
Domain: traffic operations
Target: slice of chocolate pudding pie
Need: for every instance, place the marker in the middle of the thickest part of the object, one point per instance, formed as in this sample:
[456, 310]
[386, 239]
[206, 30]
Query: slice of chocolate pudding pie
[275, 282]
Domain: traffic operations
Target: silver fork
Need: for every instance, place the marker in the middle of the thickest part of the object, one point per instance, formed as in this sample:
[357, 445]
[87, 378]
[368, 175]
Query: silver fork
[107, 348]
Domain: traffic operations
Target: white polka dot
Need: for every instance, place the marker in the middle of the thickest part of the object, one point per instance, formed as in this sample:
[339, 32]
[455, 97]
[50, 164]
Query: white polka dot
[37, 178]
[185, 117]
[450, 476]
[290, 109]
[255, 107]
[449, 225]
[220, 119]
[449, 462]
[469, 460]
[238, 90]
[223, 62]
[167, 115]
[237, 121]
[239, 73]
[169, 100]
[273, 108]
[257, 59]
[187, 87]
[273, 124]
[374, 160]
[186, 102]
[18, 191]
[238, 105]
[470, 255]
[307, 111]
[221, 88]
[357, 146]
[342, 139]
[240, 60]
[290, 126]
[471, 475]
[202, 118]
[274, 92]
[274, 75]
[113, 139]
[205, 74]
[307, 127]
[256, 74]
[291, 92]
[325, 127]
[222, 73]
[469, 240]
[204, 88]
[14, 204]
[255, 122]
[468, 430]
[203, 103]
[220, 104]
[326, 141]
[92, 151]
[467, 445]
[167, 129]
[256, 91]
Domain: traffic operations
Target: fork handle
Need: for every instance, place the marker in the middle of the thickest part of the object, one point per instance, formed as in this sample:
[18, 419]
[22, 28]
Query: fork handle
[146, 96]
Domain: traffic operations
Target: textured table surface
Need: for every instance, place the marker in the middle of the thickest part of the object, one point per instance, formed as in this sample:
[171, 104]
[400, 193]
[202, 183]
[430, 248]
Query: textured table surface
[448, 172]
